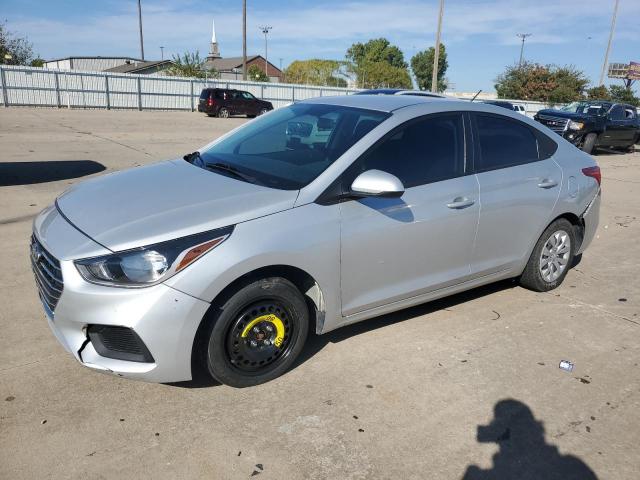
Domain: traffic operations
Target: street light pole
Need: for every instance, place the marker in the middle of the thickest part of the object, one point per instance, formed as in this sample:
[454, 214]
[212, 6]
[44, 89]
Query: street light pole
[161, 53]
[523, 36]
[606, 55]
[436, 53]
[265, 29]
[140, 25]
[244, 40]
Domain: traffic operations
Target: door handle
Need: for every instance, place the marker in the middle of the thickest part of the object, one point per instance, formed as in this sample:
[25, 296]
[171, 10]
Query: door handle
[460, 202]
[547, 183]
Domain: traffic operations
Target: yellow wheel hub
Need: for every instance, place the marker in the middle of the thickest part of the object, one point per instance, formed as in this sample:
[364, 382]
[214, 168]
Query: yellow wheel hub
[271, 318]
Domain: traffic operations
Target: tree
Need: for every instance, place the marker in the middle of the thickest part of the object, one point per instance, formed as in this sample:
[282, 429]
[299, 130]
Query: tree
[598, 93]
[378, 63]
[550, 83]
[14, 50]
[190, 65]
[256, 74]
[422, 66]
[623, 95]
[383, 75]
[315, 72]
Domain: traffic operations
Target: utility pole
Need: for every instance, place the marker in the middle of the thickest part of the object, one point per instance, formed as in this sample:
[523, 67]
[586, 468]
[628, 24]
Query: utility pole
[265, 29]
[606, 55]
[244, 40]
[523, 36]
[436, 53]
[140, 25]
[161, 53]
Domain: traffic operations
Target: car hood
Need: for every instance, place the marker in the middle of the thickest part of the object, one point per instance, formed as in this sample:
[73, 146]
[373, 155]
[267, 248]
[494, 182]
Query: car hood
[163, 201]
[573, 116]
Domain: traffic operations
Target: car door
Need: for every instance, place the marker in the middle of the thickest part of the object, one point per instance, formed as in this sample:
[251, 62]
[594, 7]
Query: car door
[617, 129]
[519, 186]
[251, 105]
[396, 248]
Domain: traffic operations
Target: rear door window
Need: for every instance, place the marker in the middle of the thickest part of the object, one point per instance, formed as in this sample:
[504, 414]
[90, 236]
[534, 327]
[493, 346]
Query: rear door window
[503, 142]
[205, 93]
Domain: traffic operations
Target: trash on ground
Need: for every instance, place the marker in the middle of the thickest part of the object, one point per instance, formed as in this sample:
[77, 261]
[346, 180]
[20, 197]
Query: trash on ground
[566, 365]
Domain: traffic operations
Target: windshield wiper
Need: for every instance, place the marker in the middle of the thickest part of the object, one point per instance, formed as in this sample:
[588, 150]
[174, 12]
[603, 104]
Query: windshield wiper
[190, 157]
[225, 167]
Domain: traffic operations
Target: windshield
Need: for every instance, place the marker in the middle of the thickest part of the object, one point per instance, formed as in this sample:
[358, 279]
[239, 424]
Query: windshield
[587, 108]
[290, 147]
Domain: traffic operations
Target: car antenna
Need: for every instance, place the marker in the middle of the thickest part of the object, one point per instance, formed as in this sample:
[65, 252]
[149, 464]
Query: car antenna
[476, 95]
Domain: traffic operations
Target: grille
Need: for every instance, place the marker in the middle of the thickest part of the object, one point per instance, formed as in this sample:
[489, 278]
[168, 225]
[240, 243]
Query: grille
[48, 274]
[120, 343]
[557, 124]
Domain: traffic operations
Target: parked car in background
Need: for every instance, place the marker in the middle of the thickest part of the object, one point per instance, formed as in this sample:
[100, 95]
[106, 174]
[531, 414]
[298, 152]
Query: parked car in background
[592, 124]
[519, 109]
[324, 213]
[224, 102]
[500, 103]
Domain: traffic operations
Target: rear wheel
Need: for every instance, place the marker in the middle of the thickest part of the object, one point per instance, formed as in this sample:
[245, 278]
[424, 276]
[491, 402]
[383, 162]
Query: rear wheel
[257, 333]
[551, 258]
[589, 143]
[223, 113]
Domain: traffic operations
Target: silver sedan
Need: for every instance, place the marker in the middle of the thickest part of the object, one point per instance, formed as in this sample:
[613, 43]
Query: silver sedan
[314, 216]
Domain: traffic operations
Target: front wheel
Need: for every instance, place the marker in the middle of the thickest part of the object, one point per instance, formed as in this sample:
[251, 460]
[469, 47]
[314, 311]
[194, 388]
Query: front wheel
[257, 333]
[551, 258]
[589, 143]
[263, 111]
[223, 113]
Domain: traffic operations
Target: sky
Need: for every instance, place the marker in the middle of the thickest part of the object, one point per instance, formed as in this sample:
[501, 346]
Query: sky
[480, 35]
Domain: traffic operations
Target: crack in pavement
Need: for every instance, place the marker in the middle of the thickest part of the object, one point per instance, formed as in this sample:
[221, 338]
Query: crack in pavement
[596, 307]
[106, 139]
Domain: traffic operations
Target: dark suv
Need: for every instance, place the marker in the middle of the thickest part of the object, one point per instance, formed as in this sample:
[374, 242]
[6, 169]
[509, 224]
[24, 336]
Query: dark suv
[593, 124]
[223, 102]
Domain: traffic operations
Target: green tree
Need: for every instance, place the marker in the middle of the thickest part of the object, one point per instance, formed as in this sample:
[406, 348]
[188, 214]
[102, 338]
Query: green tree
[422, 66]
[378, 62]
[190, 65]
[544, 83]
[598, 93]
[315, 72]
[14, 50]
[37, 62]
[383, 75]
[256, 74]
[622, 94]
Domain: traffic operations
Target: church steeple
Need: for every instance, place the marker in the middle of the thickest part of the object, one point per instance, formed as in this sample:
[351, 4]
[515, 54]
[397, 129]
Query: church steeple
[214, 52]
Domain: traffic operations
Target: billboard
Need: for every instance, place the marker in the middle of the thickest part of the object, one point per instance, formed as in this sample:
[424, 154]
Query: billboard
[629, 71]
[633, 73]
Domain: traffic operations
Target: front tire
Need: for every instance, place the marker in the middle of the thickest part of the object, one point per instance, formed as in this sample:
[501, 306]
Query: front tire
[589, 143]
[257, 333]
[551, 257]
[223, 113]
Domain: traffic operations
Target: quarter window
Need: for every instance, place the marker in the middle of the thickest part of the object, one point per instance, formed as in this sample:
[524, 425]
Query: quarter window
[426, 150]
[504, 142]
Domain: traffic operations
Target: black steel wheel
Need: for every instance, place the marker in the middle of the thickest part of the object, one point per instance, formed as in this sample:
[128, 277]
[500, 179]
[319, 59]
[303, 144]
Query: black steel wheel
[257, 333]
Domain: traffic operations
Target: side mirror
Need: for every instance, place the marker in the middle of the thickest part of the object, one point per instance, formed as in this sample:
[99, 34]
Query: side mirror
[376, 183]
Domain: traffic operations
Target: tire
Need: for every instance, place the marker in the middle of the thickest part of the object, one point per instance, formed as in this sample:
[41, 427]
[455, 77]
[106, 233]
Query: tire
[257, 333]
[263, 111]
[553, 241]
[589, 143]
[223, 113]
[251, 116]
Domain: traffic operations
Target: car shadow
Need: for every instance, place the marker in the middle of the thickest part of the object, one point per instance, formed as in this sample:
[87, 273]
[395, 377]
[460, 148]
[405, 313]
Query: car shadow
[316, 342]
[523, 453]
[28, 173]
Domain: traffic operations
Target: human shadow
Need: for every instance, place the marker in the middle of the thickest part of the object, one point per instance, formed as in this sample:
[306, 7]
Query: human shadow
[523, 452]
[28, 173]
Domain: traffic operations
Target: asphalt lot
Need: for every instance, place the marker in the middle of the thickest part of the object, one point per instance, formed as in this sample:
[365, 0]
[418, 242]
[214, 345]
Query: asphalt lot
[401, 396]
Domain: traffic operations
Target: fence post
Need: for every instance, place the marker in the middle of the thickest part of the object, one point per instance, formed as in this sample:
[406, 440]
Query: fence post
[106, 92]
[293, 94]
[191, 97]
[3, 80]
[139, 94]
[262, 91]
[56, 81]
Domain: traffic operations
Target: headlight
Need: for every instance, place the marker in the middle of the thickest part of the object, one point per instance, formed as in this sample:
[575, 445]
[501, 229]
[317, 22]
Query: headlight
[575, 125]
[150, 265]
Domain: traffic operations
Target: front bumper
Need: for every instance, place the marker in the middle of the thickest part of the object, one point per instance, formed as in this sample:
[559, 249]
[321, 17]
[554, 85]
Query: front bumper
[165, 319]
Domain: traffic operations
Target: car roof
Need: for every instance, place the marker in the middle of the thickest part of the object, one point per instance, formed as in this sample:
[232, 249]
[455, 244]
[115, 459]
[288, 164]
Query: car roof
[382, 103]
[378, 91]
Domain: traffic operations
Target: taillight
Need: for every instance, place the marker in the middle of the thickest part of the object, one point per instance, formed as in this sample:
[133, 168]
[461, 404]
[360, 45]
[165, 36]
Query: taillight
[593, 172]
[210, 102]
